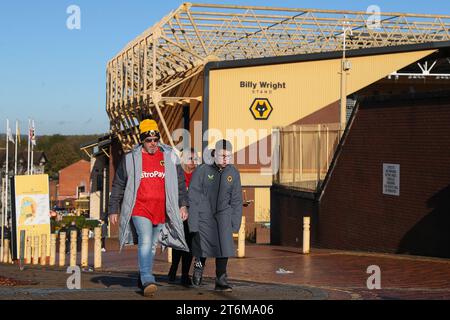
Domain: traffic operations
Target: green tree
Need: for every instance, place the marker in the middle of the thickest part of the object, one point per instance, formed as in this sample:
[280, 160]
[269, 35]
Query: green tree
[61, 151]
[60, 155]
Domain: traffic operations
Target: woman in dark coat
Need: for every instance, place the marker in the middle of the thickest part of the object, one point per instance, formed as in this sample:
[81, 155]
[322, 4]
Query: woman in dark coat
[215, 213]
[189, 161]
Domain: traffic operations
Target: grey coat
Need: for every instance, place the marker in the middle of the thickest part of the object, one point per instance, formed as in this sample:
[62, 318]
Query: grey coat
[124, 191]
[215, 210]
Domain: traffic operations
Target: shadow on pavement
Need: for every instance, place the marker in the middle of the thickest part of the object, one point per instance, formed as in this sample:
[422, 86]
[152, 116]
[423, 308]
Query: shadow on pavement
[126, 281]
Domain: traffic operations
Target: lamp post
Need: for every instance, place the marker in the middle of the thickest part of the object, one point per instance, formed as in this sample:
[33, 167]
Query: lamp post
[345, 66]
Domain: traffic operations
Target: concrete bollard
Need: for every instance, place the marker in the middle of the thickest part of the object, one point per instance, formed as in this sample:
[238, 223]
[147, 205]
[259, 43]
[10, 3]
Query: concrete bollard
[5, 251]
[73, 248]
[52, 249]
[35, 249]
[62, 249]
[169, 255]
[97, 248]
[10, 254]
[28, 250]
[84, 247]
[306, 234]
[43, 249]
[6, 255]
[241, 240]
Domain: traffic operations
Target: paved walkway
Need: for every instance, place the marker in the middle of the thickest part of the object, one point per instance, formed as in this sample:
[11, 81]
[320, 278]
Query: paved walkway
[324, 274]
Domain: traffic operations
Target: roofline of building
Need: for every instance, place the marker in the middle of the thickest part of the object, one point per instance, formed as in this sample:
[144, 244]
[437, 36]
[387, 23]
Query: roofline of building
[90, 144]
[95, 142]
[323, 56]
[72, 164]
[218, 65]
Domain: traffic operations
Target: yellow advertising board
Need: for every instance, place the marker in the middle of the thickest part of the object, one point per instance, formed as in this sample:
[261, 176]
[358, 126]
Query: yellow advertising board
[32, 207]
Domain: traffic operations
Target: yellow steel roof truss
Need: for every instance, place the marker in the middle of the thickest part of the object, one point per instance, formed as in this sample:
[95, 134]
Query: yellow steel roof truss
[141, 77]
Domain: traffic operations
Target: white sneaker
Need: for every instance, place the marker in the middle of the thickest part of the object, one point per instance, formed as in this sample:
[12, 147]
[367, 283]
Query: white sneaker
[103, 250]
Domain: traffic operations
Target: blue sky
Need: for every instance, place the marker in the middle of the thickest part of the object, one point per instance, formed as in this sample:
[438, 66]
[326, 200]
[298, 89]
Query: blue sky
[57, 76]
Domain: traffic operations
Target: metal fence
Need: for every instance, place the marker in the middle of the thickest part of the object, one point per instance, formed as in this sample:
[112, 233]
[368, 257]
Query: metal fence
[306, 152]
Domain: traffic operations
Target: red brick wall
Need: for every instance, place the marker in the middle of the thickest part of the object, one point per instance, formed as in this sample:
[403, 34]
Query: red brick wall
[355, 214]
[73, 176]
[53, 190]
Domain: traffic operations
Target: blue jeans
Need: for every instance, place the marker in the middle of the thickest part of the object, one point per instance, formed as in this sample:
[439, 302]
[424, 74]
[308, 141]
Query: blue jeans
[147, 240]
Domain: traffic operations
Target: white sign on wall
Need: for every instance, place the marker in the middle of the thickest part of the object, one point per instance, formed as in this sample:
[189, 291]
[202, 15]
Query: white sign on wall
[391, 179]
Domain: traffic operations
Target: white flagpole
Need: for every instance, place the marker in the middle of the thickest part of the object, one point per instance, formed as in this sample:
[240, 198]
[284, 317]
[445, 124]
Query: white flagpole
[3, 220]
[32, 148]
[5, 194]
[7, 173]
[15, 155]
[28, 151]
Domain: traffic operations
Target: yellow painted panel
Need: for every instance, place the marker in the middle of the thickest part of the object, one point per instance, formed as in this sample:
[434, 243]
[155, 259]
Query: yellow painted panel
[32, 184]
[262, 204]
[296, 91]
[255, 180]
[32, 207]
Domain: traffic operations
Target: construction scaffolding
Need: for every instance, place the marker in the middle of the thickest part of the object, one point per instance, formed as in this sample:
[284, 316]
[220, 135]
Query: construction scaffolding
[148, 76]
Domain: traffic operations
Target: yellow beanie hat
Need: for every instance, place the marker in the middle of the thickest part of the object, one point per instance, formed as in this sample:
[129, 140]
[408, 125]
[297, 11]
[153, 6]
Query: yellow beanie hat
[148, 125]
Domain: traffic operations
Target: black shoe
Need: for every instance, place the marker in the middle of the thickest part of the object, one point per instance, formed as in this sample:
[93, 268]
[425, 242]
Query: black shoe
[139, 284]
[186, 281]
[197, 276]
[222, 284]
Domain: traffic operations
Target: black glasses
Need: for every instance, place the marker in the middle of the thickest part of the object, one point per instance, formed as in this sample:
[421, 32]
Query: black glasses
[149, 140]
[224, 156]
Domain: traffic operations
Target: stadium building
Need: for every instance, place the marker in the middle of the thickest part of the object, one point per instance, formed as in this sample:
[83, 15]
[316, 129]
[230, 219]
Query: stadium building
[337, 115]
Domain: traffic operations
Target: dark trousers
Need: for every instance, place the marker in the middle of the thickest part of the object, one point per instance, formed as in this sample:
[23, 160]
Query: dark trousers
[221, 265]
[185, 257]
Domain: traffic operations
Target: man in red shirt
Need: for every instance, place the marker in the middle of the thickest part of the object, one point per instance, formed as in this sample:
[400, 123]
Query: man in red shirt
[149, 165]
[151, 199]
